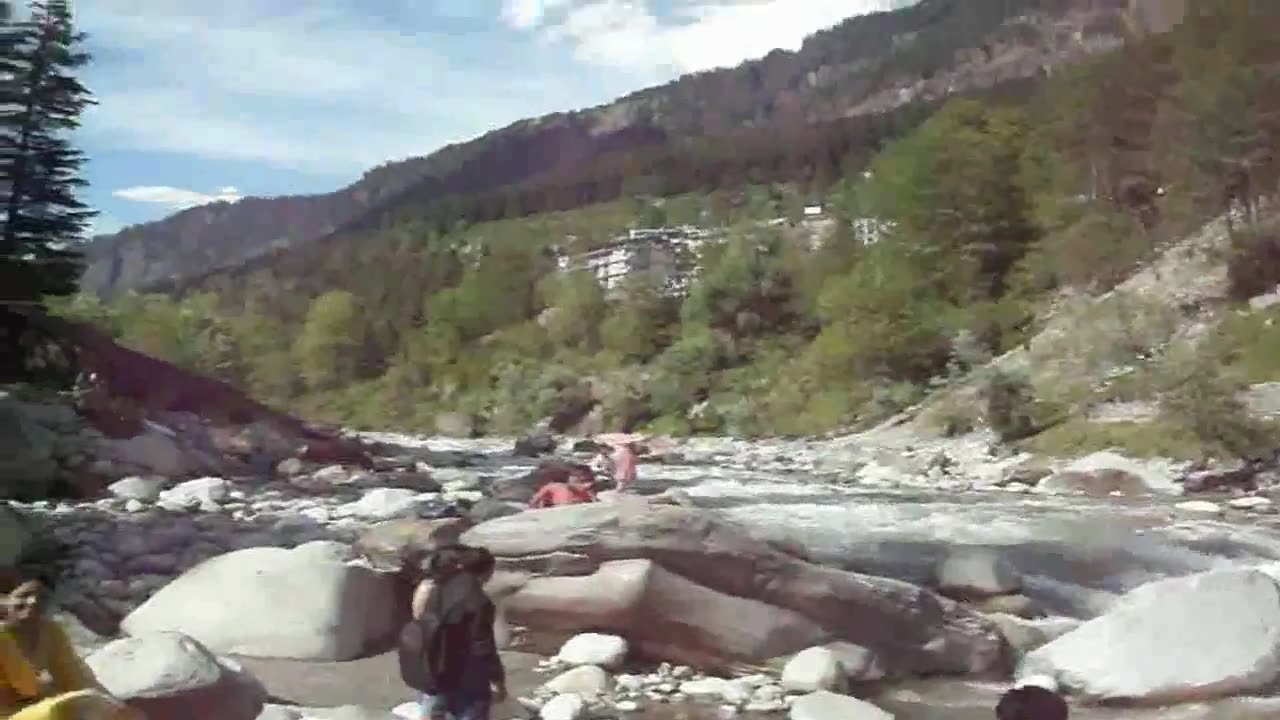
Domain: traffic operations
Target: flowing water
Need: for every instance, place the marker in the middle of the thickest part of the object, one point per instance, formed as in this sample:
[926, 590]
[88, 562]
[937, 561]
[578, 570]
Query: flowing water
[1076, 554]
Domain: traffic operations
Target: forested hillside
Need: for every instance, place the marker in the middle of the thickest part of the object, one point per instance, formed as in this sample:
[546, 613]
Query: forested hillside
[865, 66]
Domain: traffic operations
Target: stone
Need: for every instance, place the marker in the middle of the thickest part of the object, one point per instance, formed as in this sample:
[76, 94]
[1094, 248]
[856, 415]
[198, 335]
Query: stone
[563, 707]
[586, 681]
[1019, 605]
[813, 669]
[169, 676]
[665, 569]
[1200, 507]
[1185, 639]
[823, 705]
[26, 453]
[607, 651]
[153, 453]
[136, 487]
[388, 545]
[290, 467]
[1252, 502]
[385, 504]
[201, 492]
[303, 604]
[15, 536]
[975, 572]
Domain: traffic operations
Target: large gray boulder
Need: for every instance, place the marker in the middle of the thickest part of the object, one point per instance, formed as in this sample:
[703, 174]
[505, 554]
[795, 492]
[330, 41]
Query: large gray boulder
[712, 592]
[1183, 639]
[28, 470]
[169, 676]
[308, 603]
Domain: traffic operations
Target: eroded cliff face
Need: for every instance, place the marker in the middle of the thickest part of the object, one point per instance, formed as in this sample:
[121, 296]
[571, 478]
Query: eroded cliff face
[868, 64]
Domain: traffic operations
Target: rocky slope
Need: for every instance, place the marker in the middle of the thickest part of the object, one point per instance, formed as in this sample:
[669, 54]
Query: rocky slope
[868, 64]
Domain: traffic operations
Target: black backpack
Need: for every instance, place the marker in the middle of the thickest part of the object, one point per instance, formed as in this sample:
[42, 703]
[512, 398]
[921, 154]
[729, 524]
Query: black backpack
[435, 648]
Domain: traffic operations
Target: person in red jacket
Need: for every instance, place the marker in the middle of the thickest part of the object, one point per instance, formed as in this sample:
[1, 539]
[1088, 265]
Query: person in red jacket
[579, 488]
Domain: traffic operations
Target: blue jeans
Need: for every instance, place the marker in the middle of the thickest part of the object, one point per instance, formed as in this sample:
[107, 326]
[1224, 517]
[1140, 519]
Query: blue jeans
[464, 704]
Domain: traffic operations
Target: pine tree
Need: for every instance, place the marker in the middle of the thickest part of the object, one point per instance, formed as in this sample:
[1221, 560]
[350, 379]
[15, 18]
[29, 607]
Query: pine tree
[40, 104]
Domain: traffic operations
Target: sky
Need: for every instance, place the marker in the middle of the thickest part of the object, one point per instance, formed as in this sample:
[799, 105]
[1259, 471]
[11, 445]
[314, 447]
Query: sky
[201, 101]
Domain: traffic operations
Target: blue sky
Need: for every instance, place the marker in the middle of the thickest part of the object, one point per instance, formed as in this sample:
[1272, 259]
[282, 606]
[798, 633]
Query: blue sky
[200, 100]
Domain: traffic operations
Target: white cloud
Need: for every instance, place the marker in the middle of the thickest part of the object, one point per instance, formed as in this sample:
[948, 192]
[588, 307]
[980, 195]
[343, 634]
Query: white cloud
[701, 35]
[175, 198]
[321, 86]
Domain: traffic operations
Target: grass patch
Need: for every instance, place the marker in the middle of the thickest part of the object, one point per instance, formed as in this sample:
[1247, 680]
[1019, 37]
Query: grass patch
[1157, 438]
[1079, 436]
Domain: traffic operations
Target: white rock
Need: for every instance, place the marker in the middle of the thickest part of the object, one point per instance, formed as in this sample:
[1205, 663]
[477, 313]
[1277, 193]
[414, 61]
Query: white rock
[306, 604]
[201, 491]
[585, 681]
[1253, 502]
[144, 488]
[607, 651]
[977, 572]
[384, 504]
[823, 705]
[704, 687]
[563, 707]
[813, 669]
[1200, 507]
[1177, 640]
[170, 676]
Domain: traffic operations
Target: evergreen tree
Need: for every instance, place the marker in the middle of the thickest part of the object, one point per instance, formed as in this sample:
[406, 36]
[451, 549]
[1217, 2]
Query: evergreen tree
[40, 103]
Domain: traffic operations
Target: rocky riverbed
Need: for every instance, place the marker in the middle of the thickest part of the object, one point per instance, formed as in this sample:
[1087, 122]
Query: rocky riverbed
[1057, 544]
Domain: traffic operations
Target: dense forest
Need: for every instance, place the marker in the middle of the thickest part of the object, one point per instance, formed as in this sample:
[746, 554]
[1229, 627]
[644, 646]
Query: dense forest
[457, 317]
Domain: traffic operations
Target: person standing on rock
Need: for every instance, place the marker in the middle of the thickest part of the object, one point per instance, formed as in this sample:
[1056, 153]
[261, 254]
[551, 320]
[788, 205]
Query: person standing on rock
[41, 677]
[621, 454]
[449, 652]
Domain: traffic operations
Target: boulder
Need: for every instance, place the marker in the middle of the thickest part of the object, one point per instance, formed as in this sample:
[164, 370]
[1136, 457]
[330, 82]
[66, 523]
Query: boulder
[386, 504]
[142, 488]
[15, 536]
[389, 544]
[535, 444]
[152, 452]
[563, 707]
[28, 470]
[975, 572]
[1178, 640]
[169, 676]
[304, 604]
[712, 592]
[814, 669]
[584, 680]
[823, 705]
[607, 651]
[489, 509]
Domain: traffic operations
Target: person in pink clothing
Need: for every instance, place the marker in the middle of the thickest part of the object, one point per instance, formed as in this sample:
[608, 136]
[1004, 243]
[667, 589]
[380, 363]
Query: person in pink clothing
[624, 458]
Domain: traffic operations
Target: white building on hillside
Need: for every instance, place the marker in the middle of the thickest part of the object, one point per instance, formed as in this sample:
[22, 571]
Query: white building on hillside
[667, 255]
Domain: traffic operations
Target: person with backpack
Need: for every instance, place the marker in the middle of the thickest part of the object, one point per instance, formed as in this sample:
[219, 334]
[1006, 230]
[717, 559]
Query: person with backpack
[447, 651]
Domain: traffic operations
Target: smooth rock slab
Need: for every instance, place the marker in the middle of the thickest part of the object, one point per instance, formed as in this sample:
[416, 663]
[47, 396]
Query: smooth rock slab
[303, 604]
[823, 705]
[169, 676]
[1178, 640]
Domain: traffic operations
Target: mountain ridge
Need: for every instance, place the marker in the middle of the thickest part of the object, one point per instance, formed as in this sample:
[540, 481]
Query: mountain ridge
[866, 65]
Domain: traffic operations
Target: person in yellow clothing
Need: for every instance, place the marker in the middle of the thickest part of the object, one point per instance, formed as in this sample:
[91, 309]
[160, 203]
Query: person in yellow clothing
[41, 677]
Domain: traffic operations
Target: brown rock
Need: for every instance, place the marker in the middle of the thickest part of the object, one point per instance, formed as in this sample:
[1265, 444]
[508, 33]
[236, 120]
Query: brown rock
[910, 628]
[1016, 605]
